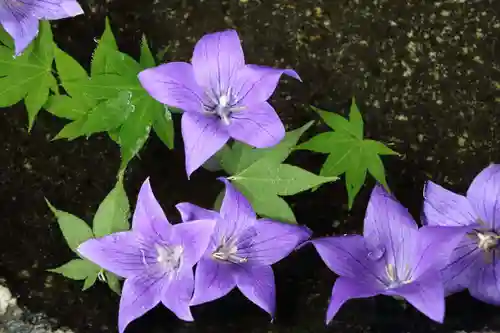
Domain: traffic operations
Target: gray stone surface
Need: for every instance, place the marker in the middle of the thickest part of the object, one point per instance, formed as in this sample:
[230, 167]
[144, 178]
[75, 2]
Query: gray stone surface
[13, 319]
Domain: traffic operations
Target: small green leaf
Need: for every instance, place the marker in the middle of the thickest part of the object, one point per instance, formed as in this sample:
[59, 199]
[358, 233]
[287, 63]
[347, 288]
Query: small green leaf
[328, 142]
[113, 213]
[37, 96]
[377, 147]
[241, 156]
[356, 119]
[267, 204]
[68, 69]
[113, 282]
[89, 281]
[74, 229]
[106, 116]
[376, 168]
[135, 130]
[338, 123]
[63, 106]
[43, 51]
[163, 124]
[147, 60]
[6, 39]
[282, 179]
[107, 44]
[77, 269]
[355, 175]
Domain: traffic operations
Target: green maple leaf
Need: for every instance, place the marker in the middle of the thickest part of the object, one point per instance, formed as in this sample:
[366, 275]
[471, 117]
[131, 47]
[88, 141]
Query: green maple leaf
[262, 177]
[348, 151]
[111, 216]
[115, 101]
[29, 75]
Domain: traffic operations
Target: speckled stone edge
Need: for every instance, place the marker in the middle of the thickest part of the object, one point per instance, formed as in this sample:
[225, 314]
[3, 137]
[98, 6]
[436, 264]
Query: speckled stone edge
[13, 319]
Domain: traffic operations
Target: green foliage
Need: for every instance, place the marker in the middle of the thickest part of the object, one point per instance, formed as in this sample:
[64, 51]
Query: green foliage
[349, 153]
[112, 216]
[29, 75]
[111, 100]
[262, 177]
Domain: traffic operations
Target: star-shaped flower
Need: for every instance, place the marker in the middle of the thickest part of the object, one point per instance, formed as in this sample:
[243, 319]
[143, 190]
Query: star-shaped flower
[222, 97]
[393, 257]
[155, 257]
[474, 263]
[241, 251]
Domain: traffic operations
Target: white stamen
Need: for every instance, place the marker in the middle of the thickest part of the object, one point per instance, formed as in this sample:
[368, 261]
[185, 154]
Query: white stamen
[223, 100]
[227, 251]
[169, 257]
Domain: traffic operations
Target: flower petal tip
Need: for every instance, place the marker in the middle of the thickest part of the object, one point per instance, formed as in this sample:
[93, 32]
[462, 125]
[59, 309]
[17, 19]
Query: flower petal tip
[292, 73]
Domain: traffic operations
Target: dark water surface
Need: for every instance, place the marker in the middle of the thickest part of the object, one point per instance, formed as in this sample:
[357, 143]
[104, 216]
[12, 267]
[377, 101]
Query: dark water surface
[422, 72]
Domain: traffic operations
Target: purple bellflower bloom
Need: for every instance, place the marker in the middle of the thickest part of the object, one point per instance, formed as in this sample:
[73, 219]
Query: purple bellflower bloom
[474, 264]
[222, 97]
[20, 17]
[155, 257]
[241, 251]
[393, 257]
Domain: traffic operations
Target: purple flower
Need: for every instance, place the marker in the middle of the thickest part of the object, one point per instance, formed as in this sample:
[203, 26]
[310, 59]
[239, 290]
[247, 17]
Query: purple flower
[20, 17]
[155, 257]
[222, 97]
[474, 264]
[393, 258]
[241, 251]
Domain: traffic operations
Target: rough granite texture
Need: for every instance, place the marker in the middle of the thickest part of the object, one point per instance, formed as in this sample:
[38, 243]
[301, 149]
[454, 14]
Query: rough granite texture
[423, 73]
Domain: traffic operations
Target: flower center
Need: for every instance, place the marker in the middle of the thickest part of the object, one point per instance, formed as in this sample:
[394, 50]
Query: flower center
[487, 240]
[169, 257]
[394, 278]
[221, 106]
[227, 251]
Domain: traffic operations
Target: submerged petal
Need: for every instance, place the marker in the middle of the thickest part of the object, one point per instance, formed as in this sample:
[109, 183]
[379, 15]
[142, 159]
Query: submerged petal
[20, 23]
[257, 284]
[177, 294]
[343, 290]
[349, 256]
[123, 253]
[257, 125]
[425, 294]
[256, 84]
[173, 84]
[272, 241]
[55, 9]
[190, 212]
[217, 57]
[194, 237]
[149, 218]
[213, 280]
[203, 137]
[484, 195]
[485, 285]
[236, 212]
[443, 207]
[139, 295]
[388, 223]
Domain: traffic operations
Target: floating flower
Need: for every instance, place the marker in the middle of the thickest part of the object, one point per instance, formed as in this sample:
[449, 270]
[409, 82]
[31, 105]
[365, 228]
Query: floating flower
[393, 258]
[241, 251]
[221, 96]
[155, 257]
[20, 17]
[474, 263]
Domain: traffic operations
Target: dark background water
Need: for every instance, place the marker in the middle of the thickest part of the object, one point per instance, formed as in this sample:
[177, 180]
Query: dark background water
[422, 73]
